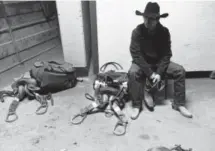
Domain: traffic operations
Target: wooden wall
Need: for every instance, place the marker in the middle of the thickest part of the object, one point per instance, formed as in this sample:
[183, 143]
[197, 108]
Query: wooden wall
[24, 32]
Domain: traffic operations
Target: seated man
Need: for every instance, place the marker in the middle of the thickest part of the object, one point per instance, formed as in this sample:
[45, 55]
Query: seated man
[150, 49]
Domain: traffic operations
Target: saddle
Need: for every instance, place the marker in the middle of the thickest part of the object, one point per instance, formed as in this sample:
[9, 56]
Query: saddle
[21, 88]
[110, 95]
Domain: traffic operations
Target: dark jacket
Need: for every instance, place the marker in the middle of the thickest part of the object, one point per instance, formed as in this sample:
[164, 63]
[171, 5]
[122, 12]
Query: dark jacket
[149, 50]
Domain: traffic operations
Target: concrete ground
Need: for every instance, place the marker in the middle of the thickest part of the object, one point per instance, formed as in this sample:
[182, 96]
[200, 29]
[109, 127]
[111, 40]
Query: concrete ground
[54, 132]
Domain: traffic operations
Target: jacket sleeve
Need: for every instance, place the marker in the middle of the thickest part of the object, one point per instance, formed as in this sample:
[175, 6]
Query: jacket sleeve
[165, 60]
[136, 53]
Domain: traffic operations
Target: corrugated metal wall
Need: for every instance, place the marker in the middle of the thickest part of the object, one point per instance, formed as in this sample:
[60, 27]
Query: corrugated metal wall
[25, 32]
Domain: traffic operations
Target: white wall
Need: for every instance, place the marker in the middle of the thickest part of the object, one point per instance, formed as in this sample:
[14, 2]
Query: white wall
[191, 25]
[72, 32]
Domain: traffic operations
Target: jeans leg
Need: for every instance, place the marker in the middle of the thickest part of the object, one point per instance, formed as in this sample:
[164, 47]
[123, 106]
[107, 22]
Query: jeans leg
[136, 82]
[177, 73]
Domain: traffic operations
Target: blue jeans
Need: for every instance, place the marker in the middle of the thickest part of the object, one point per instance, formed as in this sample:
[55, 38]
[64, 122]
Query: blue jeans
[137, 79]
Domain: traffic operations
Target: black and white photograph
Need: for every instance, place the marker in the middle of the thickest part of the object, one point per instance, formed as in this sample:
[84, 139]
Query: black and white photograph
[107, 75]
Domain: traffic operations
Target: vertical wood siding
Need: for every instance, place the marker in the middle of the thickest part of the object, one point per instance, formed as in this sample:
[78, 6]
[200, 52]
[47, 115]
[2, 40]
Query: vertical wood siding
[31, 32]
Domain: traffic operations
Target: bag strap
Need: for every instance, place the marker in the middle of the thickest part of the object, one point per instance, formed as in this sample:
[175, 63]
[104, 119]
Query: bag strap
[55, 62]
[115, 64]
[52, 65]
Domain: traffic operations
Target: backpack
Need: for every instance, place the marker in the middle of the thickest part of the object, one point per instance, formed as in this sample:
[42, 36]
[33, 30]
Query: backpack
[53, 76]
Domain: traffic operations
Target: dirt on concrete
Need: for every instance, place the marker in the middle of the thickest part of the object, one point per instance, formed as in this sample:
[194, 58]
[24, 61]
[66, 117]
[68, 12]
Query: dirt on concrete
[163, 127]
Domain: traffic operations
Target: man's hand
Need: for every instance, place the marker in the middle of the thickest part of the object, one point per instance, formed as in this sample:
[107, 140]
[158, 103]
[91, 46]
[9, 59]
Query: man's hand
[155, 78]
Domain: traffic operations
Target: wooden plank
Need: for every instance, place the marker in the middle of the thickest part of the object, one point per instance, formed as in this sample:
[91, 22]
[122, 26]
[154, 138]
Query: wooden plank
[10, 32]
[8, 61]
[3, 25]
[22, 8]
[31, 23]
[54, 54]
[37, 49]
[7, 77]
[5, 37]
[24, 18]
[1, 11]
[6, 50]
[27, 59]
[13, 2]
[34, 29]
[37, 38]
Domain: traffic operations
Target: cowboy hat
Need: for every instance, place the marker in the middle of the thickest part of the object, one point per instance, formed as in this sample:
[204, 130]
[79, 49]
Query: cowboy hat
[152, 10]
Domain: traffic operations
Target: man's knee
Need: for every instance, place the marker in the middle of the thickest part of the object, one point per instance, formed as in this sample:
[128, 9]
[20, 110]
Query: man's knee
[176, 70]
[180, 71]
[135, 73]
[132, 74]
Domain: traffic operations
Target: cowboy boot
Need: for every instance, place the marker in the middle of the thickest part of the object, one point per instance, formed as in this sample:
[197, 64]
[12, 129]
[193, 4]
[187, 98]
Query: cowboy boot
[149, 91]
[135, 112]
[149, 100]
[183, 110]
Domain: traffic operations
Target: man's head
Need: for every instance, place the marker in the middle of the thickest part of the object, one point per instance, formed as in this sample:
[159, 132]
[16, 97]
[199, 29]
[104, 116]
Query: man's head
[150, 22]
[151, 15]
